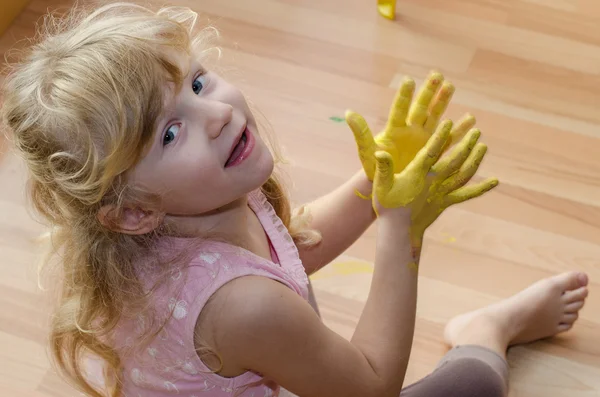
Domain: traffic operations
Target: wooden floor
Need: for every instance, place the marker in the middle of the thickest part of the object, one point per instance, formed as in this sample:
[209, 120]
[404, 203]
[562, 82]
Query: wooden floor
[528, 69]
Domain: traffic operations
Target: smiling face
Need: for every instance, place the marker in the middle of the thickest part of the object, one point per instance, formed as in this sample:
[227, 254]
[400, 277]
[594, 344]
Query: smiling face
[206, 152]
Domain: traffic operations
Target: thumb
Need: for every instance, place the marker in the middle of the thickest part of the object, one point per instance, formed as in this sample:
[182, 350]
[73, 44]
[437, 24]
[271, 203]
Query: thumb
[362, 133]
[384, 175]
[365, 142]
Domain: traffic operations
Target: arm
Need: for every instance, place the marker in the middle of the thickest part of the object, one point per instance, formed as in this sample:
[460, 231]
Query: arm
[257, 324]
[329, 215]
[261, 325]
[341, 216]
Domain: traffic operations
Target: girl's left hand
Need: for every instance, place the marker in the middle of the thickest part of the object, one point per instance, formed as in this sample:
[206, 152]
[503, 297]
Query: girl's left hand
[429, 185]
[410, 124]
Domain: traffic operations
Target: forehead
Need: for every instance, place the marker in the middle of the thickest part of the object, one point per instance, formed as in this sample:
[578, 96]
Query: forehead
[187, 64]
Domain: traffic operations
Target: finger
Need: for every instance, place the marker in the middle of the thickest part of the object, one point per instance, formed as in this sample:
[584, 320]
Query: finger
[452, 162]
[384, 174]
[472, 191]
[365, 141]
[439, 106]
[467, 170]
[431, 152]
[402, 101]
[461, 128]
[419, 111]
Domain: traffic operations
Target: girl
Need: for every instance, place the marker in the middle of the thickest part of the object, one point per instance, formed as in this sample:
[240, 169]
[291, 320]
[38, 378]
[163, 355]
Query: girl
[182, 269]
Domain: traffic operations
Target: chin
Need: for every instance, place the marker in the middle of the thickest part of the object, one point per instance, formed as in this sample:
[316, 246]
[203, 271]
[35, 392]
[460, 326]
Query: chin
[264, 169]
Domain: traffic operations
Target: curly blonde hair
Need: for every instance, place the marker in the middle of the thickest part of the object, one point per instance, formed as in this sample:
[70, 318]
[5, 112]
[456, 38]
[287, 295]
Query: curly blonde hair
[77, 113]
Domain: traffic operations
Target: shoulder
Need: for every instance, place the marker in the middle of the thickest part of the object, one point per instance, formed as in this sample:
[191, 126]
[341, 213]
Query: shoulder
[257, 324]
[249, 313]
[250, 302]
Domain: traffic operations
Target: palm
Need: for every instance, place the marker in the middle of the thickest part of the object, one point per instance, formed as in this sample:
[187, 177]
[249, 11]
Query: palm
[410, 125]
[429, 185]
[403, 143]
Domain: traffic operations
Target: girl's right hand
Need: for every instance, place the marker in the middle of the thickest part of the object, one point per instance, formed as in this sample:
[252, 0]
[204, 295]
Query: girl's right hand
[428, 185]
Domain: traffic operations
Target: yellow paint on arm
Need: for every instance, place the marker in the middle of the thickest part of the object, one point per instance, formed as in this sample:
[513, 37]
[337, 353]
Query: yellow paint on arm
[413, 266]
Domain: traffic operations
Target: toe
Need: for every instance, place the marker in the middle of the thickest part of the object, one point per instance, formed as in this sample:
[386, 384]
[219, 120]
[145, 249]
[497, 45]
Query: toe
[575, 295]
[571, 280]
[574, 307]
[569, 318]
[564, 327]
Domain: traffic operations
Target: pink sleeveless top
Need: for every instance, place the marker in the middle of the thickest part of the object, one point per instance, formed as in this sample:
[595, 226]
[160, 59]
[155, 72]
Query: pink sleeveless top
[169, 364]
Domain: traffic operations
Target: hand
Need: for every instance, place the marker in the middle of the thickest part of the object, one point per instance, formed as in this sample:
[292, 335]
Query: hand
[429, 185]
[410, 125]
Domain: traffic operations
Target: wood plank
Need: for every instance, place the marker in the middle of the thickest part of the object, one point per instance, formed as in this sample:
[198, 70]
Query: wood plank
[530, 72]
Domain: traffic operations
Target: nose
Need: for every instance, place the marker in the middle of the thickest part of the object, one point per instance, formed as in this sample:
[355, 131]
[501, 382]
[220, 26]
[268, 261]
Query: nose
[219, 114]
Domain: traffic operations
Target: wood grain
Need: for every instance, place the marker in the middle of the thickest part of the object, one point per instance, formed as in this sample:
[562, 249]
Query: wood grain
[530, 72]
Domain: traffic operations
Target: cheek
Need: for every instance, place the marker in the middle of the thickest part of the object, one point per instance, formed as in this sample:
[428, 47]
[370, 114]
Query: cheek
[185, 170]
[236, 98]
[195, 172]
[192, 188]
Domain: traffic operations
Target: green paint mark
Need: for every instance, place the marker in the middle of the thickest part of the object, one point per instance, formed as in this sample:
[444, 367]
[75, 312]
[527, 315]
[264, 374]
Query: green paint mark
[337, 119]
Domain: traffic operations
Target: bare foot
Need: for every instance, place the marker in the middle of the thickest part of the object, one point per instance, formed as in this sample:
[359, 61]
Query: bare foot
[544, 309]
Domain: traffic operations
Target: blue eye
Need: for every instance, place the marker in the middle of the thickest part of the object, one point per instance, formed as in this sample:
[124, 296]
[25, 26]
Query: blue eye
[171, 134]
[198, 84]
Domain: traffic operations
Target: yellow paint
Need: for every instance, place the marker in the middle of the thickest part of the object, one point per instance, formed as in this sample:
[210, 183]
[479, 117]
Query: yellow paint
[410, 124]
[429, 184]
[448, 238]
[362, 196]
[405, 161]
[350, 268]
[414, 267]
[345, 268]
[404, 189]
[387, 8]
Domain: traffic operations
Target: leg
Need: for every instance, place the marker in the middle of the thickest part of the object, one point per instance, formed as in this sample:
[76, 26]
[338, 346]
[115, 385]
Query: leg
[465, 371]
[542, 310]
[476, 366]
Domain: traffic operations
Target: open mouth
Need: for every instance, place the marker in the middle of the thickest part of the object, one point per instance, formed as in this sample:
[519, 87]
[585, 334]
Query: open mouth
[241, 150]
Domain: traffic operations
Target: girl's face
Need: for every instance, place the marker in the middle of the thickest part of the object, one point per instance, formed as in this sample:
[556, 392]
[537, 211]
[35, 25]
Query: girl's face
[206, 152]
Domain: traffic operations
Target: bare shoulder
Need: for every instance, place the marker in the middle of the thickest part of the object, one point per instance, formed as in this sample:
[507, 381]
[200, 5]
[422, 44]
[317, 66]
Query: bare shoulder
[258, 324]
[242, 311]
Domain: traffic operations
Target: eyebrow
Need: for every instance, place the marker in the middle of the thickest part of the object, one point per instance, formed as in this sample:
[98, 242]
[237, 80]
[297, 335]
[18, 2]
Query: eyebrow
[170, 109]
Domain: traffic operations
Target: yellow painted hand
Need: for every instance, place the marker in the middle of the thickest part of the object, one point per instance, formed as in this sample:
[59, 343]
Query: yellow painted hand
[410, 124]
[430, 184]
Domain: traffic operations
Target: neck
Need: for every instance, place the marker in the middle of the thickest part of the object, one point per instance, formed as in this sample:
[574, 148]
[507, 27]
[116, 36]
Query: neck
[229, 222]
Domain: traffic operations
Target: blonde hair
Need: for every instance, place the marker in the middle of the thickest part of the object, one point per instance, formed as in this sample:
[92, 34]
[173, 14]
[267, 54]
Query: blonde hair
[78, 114]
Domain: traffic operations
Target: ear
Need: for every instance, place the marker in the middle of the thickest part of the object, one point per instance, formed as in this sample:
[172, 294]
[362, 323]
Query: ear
[133, 221]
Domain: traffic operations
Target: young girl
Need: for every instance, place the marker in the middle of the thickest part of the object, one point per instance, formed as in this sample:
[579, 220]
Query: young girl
[182, 268]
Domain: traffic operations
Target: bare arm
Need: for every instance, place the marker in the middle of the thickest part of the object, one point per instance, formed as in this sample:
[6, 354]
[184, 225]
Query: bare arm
[341, 217]
[258, 324]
